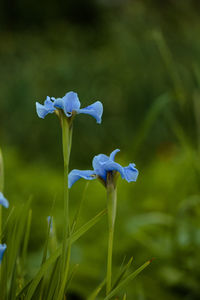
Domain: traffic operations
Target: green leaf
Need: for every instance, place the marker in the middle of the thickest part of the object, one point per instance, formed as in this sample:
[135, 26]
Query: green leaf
[147, 123]
[26, 238]
[97, 290]
[124, 297]
[77, 215]
[122, 273]
[53, 281]
[23, 292]
[75, 236]
[71, 276]
[47, 241]
[127, 280]
[171, 67]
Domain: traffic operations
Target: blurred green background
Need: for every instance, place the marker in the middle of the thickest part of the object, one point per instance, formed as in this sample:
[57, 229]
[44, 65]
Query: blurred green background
[142, 60]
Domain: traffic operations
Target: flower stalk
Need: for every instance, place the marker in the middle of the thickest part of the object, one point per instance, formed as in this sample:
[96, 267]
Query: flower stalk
[112, 208]
[66, 156]
[107, 171]
[66, 125]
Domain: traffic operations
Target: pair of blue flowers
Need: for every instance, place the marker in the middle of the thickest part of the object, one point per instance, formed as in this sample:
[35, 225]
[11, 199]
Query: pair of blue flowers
[3, 202]
[102, 164]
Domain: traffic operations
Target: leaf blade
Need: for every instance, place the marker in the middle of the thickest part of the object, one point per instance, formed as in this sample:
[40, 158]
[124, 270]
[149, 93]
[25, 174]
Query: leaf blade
[126, 280]
[75, 236]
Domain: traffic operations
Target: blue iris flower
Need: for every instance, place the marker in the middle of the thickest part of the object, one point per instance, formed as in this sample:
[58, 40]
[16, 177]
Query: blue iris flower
[3, 201]
[2, 250]
[69, 104]
[102, 165]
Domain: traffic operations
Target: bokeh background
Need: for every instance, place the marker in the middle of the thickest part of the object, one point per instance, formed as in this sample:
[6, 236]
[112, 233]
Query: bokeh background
[142, 60]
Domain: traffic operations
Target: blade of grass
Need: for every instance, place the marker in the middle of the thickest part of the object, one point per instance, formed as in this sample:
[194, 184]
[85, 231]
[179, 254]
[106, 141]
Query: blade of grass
[75, 236]
[23, 292]
[6, 223]
[171, 66]
[149, 119]
[122, 273]
[46, 242]
[15, 239]
[127, 280]
[15, 232]
[97, 290]
[71, 276]
[26, 238]
[13, 285]
[53, 282]
[124, 297]
[64, 278]
[22, 260]
[77, 215]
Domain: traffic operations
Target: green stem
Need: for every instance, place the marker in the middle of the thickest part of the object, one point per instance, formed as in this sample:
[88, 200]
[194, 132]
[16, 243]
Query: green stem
[66, 155]
[66, 252]
[112, 206]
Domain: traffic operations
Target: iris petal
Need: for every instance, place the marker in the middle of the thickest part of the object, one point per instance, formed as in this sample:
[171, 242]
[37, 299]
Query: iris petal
[71, 102]
[113, 166]
[49, 104]
[75, 175]
[112, 154]
[2, 250]
[47, 108]
[131, 173]
[98, 160]
[68, 103]
[41, 110]
[3, 201]
[98, 165]
[58, 103]
[95, 110]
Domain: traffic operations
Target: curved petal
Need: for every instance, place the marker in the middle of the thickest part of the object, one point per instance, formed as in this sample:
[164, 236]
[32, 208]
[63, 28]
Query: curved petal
[98, 165]
[113, 166]
[130, 173]
[2, 250]
[112, 154]
[47, 108]
[71, 102]
[75, 175]
[3, 201]
[95, 110]
[99, 160]
[58, 103]
[41, 110]
[48, 104]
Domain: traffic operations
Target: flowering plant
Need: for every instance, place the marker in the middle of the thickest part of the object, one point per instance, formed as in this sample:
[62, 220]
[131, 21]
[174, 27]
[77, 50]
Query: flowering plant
[55, 273]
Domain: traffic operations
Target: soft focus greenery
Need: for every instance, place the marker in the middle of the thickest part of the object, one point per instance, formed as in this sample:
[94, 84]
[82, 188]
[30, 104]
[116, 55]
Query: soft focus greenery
[142, 60]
